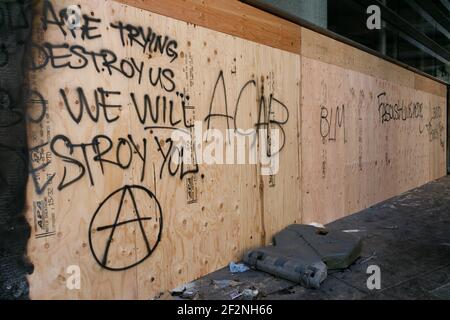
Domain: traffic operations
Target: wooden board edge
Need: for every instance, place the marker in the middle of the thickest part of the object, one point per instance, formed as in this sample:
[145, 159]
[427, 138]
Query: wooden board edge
[423, 83]
[231, 17]
[320, 47]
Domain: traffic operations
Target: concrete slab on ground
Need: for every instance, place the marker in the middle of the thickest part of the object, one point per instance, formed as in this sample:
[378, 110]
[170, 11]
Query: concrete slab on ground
[407, 236]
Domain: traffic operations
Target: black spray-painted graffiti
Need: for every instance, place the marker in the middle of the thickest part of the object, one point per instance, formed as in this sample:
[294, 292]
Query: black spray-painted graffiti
[434, 126]
[64, 55]
[101, 237]
[154, 114]
[330, 121]
[401, 111]
[158, 114]
[398, 111]
[148, 39]
[266, 108]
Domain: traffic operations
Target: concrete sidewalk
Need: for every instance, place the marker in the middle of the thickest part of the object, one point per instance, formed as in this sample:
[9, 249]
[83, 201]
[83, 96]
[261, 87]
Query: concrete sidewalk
[408, 237]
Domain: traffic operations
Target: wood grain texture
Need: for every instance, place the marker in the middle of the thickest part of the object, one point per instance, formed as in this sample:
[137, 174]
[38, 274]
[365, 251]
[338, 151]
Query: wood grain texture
[231, 17]
[356, 149]
[342, 150]
[209, 217]
[319, 47]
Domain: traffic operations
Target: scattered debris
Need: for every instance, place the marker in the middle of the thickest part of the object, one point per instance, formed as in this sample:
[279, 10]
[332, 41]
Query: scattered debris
[182, 288]
[249, 294]
[353, 230]
[246, 294]
[238, 267]
[317, 225]
[191, 295]
[235, 294]
[164, 295]
[320, 228]
[303, 253]
[222, 284]
[186, 291]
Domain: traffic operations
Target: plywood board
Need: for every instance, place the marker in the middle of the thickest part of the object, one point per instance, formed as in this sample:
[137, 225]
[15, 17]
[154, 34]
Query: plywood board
[231, 17]
[319, 47]
[104, 197]
[364, 140]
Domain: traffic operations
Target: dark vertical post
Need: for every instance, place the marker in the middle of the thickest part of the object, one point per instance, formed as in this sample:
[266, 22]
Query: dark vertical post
[448, 129]
[15, 36]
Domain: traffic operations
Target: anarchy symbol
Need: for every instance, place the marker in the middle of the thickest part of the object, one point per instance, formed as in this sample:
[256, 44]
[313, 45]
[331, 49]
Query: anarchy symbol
[101, 236]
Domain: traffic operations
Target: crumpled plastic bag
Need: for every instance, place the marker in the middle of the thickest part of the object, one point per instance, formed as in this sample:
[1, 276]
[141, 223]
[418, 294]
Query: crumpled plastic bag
[238, 267]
